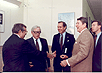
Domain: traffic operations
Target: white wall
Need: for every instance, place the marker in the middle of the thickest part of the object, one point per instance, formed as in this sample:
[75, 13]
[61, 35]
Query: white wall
[45, 14]
[13, 14]
[87, 9]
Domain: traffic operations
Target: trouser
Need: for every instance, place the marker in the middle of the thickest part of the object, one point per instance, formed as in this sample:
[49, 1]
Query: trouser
[60, 69]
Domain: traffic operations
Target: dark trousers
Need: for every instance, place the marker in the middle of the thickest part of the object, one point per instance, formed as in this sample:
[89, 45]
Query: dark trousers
[60, 69]
[37, 68]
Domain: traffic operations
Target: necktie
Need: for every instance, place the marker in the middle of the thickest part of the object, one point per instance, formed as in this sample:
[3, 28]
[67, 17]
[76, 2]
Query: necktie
[95, 37]
[37, 45]
[61, 43]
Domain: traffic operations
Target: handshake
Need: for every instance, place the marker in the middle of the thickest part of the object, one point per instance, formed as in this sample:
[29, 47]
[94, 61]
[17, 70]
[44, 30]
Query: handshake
[51, 55]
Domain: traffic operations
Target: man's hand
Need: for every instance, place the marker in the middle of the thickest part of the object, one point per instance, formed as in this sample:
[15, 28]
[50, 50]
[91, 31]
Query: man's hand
[63, 56]
[63, 63]
[49, 55]
[54, 54]
[30, 64]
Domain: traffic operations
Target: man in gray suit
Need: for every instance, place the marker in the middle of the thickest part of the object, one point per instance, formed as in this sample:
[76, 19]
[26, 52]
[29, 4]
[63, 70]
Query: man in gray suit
[81, 60]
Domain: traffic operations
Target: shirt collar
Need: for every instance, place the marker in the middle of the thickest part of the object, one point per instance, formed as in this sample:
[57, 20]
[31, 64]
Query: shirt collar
[99, 34]
[16, 34]
[63, 33]
[35, 39]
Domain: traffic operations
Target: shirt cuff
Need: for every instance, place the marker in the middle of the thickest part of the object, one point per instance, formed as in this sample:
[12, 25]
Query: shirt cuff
[67, 62]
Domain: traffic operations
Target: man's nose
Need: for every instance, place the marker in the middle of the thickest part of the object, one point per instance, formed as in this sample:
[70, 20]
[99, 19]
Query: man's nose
[76, 25]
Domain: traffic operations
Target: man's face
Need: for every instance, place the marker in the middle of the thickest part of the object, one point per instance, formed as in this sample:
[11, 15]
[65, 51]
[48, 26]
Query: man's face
[23, 33]
[60, 27]
[36, 33]
[95, 27]
[79, 26]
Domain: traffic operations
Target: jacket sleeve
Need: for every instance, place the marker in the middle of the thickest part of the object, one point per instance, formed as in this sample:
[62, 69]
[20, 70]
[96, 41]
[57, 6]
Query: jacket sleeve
[28, 49]
[53, 44]
[47, 49]
[84, 50]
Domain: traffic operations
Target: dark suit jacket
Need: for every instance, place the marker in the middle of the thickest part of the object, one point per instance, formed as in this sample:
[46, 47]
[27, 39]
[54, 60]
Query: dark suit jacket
[15, 54]
[97, 56]
[39, 62]
[68, 43]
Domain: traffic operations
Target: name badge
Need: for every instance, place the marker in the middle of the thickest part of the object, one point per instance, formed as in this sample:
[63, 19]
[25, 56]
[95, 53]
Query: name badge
[65, 50]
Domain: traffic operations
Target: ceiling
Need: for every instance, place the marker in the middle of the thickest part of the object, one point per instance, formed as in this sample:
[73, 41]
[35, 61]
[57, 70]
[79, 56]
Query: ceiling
[96, 8]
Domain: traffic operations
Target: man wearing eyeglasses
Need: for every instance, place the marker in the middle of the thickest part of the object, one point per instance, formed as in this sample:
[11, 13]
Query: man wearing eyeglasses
[38, 64]
[16, 51]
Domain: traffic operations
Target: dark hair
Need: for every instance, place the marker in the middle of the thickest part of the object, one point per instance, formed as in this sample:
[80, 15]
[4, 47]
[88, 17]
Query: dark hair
[17, 27]
[84, 20]
[99, 23]
[64, 24]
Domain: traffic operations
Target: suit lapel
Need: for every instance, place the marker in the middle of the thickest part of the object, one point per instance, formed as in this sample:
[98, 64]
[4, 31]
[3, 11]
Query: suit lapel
[66, 38]
[58, 38]
[32, 42]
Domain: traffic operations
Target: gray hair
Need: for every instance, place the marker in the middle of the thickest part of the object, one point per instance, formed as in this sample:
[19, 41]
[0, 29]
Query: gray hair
[34, 27]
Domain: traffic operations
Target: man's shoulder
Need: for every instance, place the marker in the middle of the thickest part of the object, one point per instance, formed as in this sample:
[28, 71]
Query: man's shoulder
[29, 39]
[68, 34]
[43, 39]
[86, 33]
[14, 40]
[56, 34]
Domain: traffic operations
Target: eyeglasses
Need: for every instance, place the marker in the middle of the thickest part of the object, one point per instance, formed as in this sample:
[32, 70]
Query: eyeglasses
[25, 31]
[37, 32]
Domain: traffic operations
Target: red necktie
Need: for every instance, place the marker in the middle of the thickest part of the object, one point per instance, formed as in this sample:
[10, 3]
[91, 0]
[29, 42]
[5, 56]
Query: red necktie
[61, 43]
[95, 37]
[37, 45]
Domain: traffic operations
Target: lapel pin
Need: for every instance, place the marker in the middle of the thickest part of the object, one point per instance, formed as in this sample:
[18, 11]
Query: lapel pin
[67, 40]
[67, 37]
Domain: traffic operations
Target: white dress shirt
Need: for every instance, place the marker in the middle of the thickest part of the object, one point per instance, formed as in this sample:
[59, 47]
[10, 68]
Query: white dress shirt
[98, 35]
[64, 34]
[39, 42]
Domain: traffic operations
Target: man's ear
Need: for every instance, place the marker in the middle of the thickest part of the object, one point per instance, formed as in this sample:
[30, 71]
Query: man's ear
[84, 24]
[19, 31]
[65, 27]
[99, 26]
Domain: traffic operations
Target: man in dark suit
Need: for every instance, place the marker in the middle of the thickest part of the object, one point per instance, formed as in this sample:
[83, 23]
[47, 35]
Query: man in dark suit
[62, 45]
[97, 55]
[16, 51]
[38, 64]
